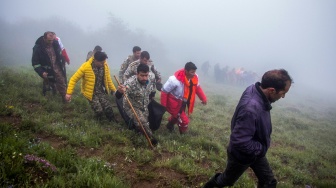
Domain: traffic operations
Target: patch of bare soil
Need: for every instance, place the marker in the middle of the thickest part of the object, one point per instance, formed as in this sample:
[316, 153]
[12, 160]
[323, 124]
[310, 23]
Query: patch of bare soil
[12, 120]
[88, 152]
[146, 175]
[251, 174]
[55, 141]
[149, 176]
[137, 175]
[32, 107]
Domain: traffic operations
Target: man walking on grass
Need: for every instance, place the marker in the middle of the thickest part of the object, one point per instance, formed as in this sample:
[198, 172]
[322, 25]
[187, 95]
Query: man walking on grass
[48, 63]
[139, 91]
[96, 85]
[178, 93]
[251, 130]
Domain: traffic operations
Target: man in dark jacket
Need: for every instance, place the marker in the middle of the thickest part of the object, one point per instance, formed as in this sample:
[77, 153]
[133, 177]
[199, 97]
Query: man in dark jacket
[251, 130]
[47, 62]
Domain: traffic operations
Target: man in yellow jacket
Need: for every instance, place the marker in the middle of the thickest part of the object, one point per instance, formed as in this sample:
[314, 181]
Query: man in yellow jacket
[96, 85]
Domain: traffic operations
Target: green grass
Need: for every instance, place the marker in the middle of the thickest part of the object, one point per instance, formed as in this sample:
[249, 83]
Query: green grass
[88, 153]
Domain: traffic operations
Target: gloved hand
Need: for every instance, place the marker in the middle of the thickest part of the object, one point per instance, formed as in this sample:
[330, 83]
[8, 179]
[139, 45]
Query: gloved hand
[184, 104]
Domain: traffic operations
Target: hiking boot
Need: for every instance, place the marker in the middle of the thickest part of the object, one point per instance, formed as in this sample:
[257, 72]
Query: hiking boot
[212, 182]
[170, 126]
[154, 141]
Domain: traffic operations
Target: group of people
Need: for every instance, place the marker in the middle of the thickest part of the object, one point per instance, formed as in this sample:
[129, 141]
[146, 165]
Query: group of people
[235, 76]
[139, 80]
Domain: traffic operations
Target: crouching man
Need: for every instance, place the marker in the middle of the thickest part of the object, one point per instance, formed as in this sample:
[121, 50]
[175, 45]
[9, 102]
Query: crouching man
[139, 91]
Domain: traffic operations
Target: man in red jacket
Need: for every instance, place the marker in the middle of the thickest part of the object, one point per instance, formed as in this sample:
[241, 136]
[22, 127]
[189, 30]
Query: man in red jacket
[178, 93]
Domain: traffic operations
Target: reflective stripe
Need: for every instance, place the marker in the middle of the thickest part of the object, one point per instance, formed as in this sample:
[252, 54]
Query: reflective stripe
[183, 126]
[35, 66]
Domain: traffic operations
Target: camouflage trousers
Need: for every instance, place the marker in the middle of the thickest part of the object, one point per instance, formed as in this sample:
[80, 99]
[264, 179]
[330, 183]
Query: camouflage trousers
[143, 117]
[58, 83]
[101, 105]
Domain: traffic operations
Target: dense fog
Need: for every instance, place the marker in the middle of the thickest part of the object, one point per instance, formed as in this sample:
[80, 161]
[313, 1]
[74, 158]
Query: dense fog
[298, 36]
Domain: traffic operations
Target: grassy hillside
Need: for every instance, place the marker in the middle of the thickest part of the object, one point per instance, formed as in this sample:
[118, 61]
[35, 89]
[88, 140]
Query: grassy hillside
[44, 143]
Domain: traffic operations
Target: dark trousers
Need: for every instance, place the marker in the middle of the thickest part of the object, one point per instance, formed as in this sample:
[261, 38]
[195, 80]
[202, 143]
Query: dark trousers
[234, 170]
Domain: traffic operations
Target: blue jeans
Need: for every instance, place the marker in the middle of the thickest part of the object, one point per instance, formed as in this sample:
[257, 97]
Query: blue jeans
[234, 170]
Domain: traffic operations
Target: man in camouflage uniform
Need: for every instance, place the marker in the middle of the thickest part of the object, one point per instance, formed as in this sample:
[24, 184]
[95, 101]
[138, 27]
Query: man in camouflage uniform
[96, 85]
[154, 76]
[139, 90]
[130, 59]
[47, 62]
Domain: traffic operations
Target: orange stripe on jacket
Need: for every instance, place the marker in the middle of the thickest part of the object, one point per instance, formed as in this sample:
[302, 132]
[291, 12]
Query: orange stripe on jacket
[180, 75]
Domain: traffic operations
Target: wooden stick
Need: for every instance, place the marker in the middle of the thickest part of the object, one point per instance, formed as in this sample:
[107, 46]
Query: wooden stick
[136, 116]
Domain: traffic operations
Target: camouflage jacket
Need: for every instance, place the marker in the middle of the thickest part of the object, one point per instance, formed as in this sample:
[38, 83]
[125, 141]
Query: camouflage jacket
[124, 67]
[138, 94]
[154, 75]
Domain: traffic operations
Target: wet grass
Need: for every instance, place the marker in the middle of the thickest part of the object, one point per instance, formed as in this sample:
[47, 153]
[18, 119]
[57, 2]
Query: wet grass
[88, 153]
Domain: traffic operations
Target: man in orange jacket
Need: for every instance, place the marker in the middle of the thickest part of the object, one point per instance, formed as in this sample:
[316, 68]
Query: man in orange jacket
[178, 93]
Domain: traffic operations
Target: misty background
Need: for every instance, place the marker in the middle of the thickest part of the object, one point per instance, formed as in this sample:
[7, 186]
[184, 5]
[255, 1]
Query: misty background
[259, 35]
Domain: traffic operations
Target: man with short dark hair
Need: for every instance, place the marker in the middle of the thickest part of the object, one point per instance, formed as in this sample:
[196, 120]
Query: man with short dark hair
[130, 59]
[96, 85]
[139, 89]
[251, 130]
[178, 93]
[91, 53]
[47, 62]
[154, 74]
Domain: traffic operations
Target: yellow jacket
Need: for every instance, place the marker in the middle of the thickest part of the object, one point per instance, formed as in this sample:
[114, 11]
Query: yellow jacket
[88, 80]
